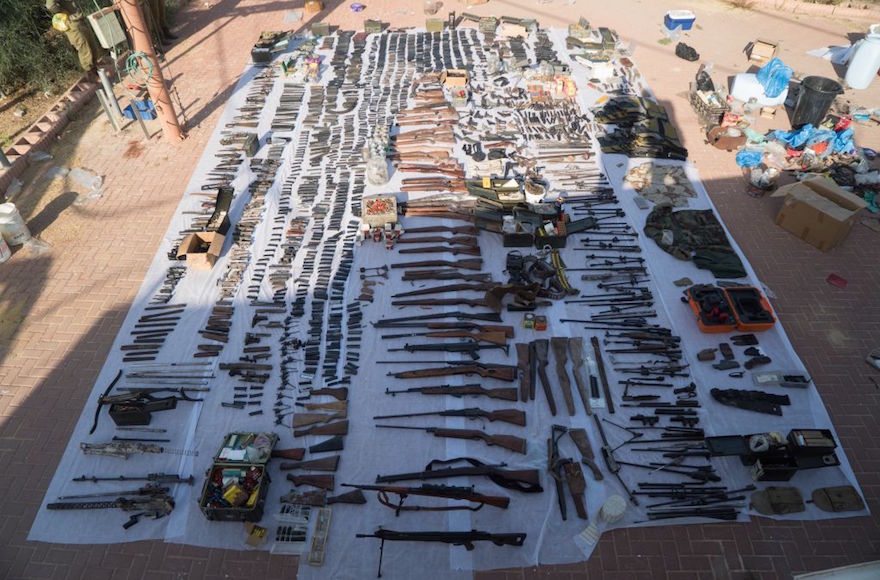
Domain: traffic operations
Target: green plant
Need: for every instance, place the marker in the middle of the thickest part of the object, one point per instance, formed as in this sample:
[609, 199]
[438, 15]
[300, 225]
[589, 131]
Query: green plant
[32, 52]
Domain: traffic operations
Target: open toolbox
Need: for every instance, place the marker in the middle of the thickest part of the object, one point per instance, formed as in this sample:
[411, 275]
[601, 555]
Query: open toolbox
[237, 483]
[729, 308]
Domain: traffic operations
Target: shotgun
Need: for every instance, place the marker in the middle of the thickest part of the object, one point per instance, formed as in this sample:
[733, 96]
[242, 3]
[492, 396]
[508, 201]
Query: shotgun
[510, 442]
[512, 416]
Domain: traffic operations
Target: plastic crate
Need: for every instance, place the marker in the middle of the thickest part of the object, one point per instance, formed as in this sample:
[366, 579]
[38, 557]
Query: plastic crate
[146, 110]
[710, 115]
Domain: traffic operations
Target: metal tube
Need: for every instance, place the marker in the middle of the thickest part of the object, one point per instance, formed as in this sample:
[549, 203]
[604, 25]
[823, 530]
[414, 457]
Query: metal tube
[108, 89]
[102, 98]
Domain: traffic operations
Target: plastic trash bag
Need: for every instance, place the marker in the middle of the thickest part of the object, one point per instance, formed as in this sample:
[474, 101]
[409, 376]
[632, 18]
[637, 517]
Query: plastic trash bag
[795, 139]
[749, 157]
[843, 142]
[774, 77]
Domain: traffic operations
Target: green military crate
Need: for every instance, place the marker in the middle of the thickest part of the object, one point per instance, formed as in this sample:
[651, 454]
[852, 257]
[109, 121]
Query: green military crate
[373, 26]
[237, 483]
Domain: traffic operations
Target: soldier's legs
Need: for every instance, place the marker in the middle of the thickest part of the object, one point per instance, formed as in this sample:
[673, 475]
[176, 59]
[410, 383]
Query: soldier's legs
[78, 36]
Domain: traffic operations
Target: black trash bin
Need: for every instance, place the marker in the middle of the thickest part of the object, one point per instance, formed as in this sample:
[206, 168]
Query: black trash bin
[814, 100]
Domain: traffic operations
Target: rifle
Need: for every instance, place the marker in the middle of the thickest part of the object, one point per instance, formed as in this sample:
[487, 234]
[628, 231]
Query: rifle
[490, 337]
[466, 264]
[500, 372]
[524, 480]
[482, 316]
[469, 241]
[444, 491]
[465, 539]
[435, 326]
[420, 275]
[337, 428]
[463, 287]
[511, 442]
[323, 464]
[304, 419]
[319, 498]
[154, 477]
[154, 507]
[469, 348]
[503, 394]
[443, 302]
[463, 230]
[512, 416]
[454, 250]
[319, 481]
[125, 449]
[149, 489]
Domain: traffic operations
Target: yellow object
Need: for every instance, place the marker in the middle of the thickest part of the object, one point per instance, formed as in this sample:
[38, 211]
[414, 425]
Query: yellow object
[233, 494]
[61, 22]
[487, 182]
[252, 500]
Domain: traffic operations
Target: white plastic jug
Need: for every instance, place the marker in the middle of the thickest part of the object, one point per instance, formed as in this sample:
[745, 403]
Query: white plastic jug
[12, 226]
[865, 61]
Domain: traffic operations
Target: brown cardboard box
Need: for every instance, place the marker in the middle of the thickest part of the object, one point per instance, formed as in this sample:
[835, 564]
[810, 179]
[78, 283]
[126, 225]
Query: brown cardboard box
[454, 77]
[818, 211]
[201, 250]
[761, 51]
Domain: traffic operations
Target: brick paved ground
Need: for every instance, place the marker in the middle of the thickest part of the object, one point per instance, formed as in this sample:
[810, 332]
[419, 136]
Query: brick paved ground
[60, 311]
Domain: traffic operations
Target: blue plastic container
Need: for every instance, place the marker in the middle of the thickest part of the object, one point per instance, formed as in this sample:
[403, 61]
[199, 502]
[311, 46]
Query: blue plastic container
[679, 18]
[145, 109]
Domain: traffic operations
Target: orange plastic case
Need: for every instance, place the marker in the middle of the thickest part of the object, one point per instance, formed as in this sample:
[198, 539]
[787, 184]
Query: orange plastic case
[744, 307]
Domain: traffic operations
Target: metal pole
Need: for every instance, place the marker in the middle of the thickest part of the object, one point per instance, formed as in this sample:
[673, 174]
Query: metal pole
[140, 36]
[103, 99]
[108, 90]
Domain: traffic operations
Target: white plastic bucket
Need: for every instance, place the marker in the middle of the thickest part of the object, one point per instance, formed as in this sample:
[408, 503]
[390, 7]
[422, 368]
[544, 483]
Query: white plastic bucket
[12, 226]
[5, 252]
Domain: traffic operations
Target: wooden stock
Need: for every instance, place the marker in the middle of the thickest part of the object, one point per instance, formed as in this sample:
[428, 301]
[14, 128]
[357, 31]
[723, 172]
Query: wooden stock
[323, 464]
[340, 394]
[304, 419]
[511, 442]
[338, 428]
[333, 406]
[295, 453]
[319, 481]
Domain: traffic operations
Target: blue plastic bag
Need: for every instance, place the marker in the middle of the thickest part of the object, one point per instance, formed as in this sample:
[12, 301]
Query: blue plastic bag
[795, 139]
[774, 77]
[843, 142]
[749, 157]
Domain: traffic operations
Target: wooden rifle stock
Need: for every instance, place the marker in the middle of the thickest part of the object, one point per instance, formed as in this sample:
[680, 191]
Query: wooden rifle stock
[323, 464]
[304, 419]
[319, 481]
[340, 394]
[295, 453]
[338, 428]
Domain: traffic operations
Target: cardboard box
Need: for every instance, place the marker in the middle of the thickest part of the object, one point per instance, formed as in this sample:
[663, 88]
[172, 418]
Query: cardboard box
[201, 250]
[454, 77]
[818, 211]
[761, 51]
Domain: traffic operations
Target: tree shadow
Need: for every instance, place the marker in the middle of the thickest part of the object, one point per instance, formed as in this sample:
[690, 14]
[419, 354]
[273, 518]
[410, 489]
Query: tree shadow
[50, 213]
